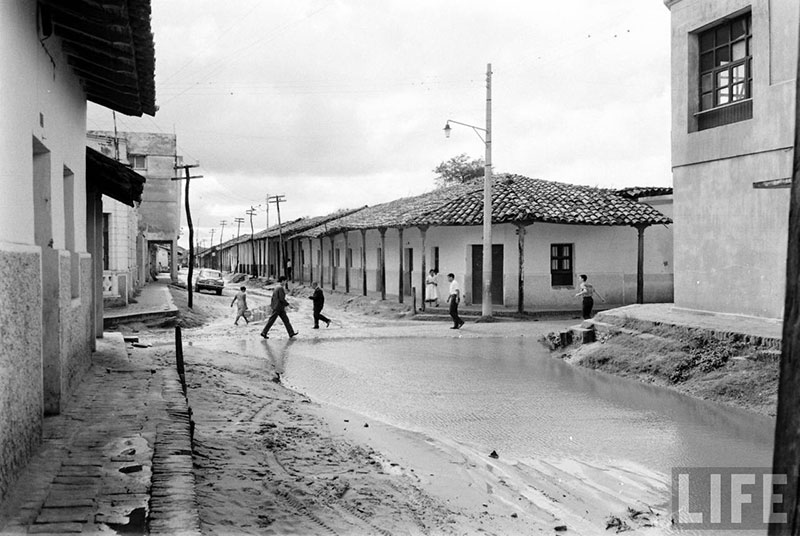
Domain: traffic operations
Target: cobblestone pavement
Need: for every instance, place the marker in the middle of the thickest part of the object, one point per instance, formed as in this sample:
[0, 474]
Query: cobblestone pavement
[116, 460]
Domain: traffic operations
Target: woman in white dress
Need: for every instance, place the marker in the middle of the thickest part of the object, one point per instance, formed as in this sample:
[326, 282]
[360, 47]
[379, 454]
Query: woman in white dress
[431, 288]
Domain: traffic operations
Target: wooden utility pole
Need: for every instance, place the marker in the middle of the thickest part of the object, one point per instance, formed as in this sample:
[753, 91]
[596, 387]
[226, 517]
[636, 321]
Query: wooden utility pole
[188, 178]
[238, 222]
[252, 213]
[278, 199]
[786, 457]
[222, 224]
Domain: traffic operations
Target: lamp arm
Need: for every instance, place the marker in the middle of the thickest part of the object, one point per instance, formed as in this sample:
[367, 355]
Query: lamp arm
[477, 130]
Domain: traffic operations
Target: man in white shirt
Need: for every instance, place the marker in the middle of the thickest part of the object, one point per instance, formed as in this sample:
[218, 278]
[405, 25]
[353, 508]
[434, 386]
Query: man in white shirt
[453, 299]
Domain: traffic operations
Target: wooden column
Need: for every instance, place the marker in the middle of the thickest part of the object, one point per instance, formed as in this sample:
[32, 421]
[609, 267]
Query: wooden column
[423, 229]
[333, 266]
[400, 277]
[310, 260]
[786, 458]
[321, 262]
[347, 260]
[640, 265]
[382, 261]
[364, 262]
[521, 275]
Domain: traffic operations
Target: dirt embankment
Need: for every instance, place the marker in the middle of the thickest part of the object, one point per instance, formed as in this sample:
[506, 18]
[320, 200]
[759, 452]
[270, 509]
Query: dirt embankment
[734, 373]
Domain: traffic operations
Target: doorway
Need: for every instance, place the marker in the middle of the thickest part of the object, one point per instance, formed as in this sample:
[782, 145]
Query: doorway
[408, 270]
[497, 274]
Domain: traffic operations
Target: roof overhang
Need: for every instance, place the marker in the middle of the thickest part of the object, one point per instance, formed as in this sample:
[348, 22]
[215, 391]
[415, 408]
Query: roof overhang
[109, 45]
[112, 178]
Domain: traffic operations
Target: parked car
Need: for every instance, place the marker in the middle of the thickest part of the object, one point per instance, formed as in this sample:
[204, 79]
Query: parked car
[209, 280]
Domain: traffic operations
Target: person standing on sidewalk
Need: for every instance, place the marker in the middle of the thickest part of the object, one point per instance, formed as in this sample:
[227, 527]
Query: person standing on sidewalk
[453, 299]
[241, 308]
[431, 288]
[318, 299]
[586, 292]
[278, 305]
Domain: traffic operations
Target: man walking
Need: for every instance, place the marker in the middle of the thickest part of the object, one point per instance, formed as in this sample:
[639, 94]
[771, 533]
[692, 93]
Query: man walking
[318, 299]
[587, 291]
[278, 305]
[453, 299]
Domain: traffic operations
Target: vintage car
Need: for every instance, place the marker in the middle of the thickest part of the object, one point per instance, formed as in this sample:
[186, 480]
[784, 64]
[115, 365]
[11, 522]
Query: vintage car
[209, 280]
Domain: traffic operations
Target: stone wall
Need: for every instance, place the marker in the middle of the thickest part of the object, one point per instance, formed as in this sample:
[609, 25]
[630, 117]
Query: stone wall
[20, 358]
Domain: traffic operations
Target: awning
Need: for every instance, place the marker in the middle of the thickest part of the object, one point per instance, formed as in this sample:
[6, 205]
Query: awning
[112, 178]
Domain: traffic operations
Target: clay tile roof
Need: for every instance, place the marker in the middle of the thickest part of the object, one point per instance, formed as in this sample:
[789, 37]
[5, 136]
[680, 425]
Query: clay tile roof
[109, 45]
[637, 192]
[521, 199]
[514, 199]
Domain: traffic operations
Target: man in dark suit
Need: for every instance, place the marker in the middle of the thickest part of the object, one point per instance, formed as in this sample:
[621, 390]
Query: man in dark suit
[319, 302]
[278, 305]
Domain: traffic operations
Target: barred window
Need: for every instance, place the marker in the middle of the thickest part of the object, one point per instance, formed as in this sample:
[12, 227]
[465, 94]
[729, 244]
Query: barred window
[561, 274]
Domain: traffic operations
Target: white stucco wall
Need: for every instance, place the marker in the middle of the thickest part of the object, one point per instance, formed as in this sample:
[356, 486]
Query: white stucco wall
[607, 254]
[45, 288]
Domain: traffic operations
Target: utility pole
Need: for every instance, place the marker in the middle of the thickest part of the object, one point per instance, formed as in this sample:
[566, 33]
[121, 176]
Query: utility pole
[787, 427]
[222, 224]
[238, 222]
[188, 178]
[278, 199]
[266, 242]
[252, 213]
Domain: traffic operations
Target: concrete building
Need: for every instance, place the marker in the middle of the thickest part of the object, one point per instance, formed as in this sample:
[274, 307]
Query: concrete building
[544, 235]
[153, 156]
[124, 247]
[734, 65]
[56, 57]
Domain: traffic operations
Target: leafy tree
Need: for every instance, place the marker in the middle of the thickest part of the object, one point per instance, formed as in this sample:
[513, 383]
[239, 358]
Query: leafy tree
[458, 170]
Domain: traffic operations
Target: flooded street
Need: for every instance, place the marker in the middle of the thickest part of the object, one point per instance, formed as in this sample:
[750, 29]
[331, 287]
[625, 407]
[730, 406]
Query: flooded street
[509, 395]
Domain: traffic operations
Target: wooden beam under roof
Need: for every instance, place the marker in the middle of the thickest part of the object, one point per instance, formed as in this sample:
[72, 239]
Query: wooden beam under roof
[785, 182]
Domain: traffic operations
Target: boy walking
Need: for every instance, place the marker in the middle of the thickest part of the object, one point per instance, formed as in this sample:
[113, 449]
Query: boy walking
[318, 299]
[453, 299]
[278, 305]
[241, 309]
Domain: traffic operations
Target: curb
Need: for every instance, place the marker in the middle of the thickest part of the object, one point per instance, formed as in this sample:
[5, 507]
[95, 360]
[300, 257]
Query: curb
[173, 499]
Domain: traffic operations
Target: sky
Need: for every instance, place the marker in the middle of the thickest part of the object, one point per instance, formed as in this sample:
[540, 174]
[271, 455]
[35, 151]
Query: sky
[337, 104]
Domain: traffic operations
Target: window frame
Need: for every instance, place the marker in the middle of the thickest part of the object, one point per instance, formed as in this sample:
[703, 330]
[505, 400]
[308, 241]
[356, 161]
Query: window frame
[560, 276]
[718, 43]
[133, 159]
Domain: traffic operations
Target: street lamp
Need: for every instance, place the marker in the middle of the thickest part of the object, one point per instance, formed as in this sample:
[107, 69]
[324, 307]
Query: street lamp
[486, 138]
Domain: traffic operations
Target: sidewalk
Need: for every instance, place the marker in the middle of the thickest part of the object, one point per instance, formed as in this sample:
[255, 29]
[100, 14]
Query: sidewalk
[757, 331]
[118, 459]
[154, 301]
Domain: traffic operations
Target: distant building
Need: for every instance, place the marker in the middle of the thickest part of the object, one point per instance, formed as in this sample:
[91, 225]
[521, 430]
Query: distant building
[50, 195]
[734, 64]
[153, 156]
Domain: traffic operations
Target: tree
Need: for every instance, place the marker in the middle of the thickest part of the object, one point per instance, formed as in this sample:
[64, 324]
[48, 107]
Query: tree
[458, 170]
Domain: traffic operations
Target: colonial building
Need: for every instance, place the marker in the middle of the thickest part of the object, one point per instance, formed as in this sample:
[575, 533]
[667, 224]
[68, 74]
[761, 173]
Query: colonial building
[544, 233]
[56, 56]
[734, 64]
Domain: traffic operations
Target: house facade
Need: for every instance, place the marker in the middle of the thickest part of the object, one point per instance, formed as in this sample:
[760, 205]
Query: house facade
[47, 216]
[734, 64]
[544, 235]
